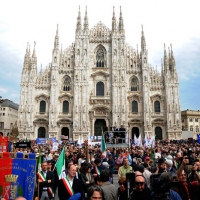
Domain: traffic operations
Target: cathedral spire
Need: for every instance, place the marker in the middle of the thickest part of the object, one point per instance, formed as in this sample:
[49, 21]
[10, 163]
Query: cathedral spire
[41, 69]
[165, 58]
[121, 23]
[78, 24]
[114, 27]
[56, 41]
[34, 54]
[86, 26]
[172, 58]
[143, 41]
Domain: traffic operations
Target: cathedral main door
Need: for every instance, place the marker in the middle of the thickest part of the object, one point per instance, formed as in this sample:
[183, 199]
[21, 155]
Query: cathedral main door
[65, 132]
[98, 126]
[158, 133]
[135, 132]
[41, 132]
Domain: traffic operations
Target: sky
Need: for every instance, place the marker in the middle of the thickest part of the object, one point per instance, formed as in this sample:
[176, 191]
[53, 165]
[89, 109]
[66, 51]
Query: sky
[175, 22]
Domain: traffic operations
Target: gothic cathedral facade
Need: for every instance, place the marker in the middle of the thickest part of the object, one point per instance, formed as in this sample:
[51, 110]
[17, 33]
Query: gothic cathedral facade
[99, 81]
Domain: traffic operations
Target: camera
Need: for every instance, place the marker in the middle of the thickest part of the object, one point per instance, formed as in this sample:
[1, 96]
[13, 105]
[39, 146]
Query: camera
[161, 185]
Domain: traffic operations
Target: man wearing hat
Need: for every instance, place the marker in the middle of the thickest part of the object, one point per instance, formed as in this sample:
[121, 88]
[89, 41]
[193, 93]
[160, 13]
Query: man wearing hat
[160, 167]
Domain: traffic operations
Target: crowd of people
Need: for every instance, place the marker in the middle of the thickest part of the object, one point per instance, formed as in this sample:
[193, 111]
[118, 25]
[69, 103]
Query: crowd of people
[169, 170]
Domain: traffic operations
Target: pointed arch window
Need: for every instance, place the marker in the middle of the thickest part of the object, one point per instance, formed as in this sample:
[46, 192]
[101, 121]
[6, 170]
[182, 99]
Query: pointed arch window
[134, 84]
[42, 106]
[156, 106]
[134, 106]
[100, 58]
[100, 89]
[67, 84]
[65, 106]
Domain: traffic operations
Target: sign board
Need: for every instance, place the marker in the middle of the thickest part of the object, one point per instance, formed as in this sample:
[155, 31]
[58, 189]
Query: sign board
[63, 137]
[23, 144]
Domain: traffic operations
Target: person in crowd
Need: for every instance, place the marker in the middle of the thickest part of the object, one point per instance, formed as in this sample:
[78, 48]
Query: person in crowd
[95, 193]
[163, 190]
[119, 160]
[169, 166]
[188, 190]
[45, 180]
[111, 163]
[110, 191]
[122, 190]
[70, 185]
[98, 167]
[147, 160]
[147, 174]
[122, 133]
[128, 155]
[140, 192]
[98, 181]
[124, 169]
[178, 160]
[49, 165]
[115, 135]
[160, 167]
[81, 159]
[85, 176]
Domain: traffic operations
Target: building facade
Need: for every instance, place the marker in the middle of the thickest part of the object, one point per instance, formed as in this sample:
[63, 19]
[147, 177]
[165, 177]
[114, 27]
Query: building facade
[8, 116]
[99, 81]
[191, 121]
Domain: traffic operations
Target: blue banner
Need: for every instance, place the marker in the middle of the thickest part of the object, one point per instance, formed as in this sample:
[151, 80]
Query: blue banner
[25, 169]
[41, 140]
[198, 138]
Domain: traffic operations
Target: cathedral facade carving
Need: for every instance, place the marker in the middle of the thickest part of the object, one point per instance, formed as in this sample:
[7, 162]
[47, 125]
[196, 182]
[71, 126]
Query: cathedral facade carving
[99, 81]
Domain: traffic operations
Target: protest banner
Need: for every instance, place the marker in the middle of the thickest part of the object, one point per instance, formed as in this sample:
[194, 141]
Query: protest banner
[17, 176]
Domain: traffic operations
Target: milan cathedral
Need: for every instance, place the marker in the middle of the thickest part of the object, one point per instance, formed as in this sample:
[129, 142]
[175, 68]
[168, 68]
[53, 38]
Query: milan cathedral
[96, 82]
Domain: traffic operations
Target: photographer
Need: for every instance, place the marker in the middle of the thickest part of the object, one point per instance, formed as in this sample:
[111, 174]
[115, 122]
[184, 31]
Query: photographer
[162, 189]
[140, 192]
[188, 190]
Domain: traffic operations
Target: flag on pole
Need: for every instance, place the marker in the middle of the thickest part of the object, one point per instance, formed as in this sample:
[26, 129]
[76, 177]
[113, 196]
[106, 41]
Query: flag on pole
[103, 144]
[60, 165]
[151, 153]
[39, 162]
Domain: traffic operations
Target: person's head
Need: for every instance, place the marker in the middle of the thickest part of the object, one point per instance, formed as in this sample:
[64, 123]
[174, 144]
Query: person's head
[161, 163]
[139, 183]
[95, 193]
[44, 166]
[72, 171]
[20, 198]
[70, 162]
[163, 185]
[122, 182]
[125, 161]
[97, 161]
[49, 165]
[178, 155]
[105, 175]
[182, 177]
[168, 163]
[85, 168]
[97, 180]
[147, 159]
